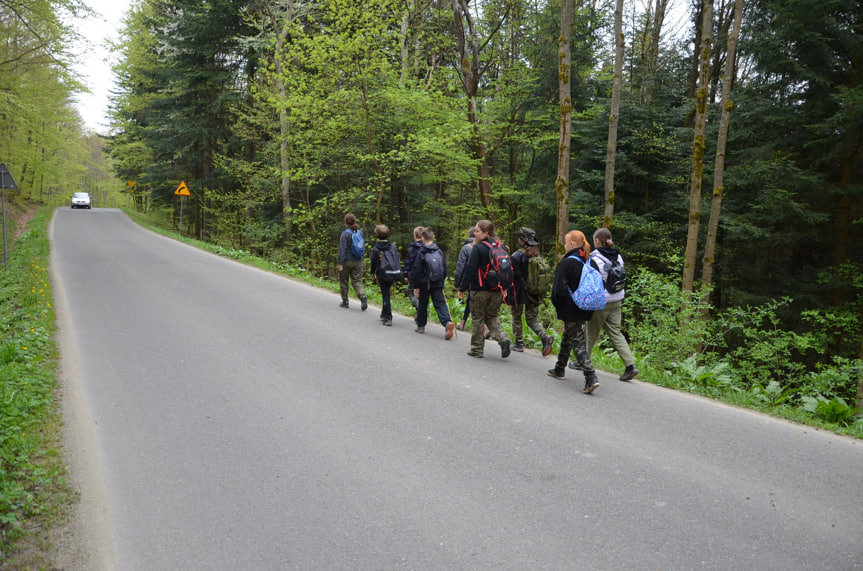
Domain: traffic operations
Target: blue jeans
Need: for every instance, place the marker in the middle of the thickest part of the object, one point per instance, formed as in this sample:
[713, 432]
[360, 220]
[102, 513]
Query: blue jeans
[440, 306]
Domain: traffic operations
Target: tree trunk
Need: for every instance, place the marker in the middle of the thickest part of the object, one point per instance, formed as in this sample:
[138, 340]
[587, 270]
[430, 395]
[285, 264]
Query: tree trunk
[698, 18]
[469, 52]
[721, 143]
[561, 185]
[698, 147]
[860, 386]
[281, 91]
[653, 35]
[613, 117]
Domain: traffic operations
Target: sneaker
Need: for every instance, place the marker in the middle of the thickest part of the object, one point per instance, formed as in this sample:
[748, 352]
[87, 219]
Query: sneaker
[518, 346]
[387, 322]
[575, 366]
[590, 384]
[460, 325]
[504, 349]
[555, 374]
[420, 329]
[344, 304]
[476, 354]
[450, 330]
[546, 345]
[629, 373]
[365, 304]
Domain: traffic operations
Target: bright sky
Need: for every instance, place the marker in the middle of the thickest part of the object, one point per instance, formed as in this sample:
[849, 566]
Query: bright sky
[95, 65]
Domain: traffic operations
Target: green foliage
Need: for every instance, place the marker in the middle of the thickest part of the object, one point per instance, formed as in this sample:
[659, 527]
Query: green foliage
[32, 478]
[711, 379]
[833, 410]
[663, 323]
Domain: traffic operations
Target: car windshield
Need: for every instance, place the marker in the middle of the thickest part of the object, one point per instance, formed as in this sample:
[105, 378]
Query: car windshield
[81, 195]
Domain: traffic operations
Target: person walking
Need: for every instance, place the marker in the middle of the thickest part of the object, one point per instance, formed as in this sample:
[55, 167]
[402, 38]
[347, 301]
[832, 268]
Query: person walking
[385, 269]
[609, 319]
[427, 282]
[566, 279]
[410, 258]
[485, 301]
[350, 261]
[526, 305]
[463, 255]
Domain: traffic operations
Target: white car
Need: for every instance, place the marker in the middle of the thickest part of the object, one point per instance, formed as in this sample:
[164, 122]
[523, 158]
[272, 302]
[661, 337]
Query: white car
[80, 200]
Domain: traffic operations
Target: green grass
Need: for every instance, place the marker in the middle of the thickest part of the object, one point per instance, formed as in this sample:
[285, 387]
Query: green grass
[34, 491]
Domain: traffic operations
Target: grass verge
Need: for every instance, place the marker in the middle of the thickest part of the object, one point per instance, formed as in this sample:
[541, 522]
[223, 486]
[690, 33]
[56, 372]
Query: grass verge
[34, 490]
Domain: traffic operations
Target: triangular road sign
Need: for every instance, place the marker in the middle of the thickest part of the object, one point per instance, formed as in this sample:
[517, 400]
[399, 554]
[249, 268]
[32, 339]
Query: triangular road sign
[182, 190]
[6, 180]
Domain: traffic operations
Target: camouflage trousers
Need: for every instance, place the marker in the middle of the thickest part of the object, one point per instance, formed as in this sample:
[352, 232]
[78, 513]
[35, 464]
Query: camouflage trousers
[484, 310]
[574, 339]
[531, 315]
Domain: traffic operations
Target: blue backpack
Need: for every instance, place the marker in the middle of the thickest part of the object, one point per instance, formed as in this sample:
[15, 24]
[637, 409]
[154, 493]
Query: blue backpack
[590, 294]
[358, 244]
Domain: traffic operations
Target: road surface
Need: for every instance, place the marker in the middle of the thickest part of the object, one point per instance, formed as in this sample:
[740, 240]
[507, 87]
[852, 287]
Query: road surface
[228, 418]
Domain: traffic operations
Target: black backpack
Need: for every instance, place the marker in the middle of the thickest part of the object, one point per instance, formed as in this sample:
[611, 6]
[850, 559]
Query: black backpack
[435, 266]
[615, 279]
[389, 265]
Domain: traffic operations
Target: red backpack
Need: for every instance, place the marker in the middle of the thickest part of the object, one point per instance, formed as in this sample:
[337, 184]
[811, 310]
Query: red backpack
[498, 274]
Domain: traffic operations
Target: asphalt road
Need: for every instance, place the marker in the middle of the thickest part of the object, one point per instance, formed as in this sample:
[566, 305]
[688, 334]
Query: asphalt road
[242, 420]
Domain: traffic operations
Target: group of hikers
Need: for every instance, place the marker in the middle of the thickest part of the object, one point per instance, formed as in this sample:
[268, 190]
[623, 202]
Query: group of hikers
[488, 276]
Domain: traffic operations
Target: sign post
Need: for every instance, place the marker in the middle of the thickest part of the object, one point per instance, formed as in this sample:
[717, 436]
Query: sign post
[6, 181]
[182, 191]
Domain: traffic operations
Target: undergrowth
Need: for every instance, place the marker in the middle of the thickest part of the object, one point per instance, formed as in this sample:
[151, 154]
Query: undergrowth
[33, 484]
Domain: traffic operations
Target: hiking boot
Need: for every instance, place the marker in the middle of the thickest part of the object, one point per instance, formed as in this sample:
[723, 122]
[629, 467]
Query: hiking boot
[547, 342]
[344, 304]
[504, 349]
[365, 304]
[590, 384]
[450, 330]
[476, 354]
[420, 329]
[387, 322]
[629, 373]
[460, 325]
[518, 346]
[575, 366]
[556, 373]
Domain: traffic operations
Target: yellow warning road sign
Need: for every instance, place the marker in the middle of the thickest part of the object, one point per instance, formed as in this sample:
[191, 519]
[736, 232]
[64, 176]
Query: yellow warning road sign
[182, 190]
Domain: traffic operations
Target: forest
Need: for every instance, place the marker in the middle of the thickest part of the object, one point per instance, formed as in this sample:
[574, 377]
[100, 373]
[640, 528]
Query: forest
[718, 139]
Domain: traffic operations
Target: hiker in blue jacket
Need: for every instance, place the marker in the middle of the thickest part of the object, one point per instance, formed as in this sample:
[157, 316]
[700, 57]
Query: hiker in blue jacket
[427, 280]
[350, 265]
[566, 279]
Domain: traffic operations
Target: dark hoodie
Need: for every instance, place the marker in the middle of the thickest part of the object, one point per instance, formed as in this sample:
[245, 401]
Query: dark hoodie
[380, 246]
[419, 278]
[567, 277]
